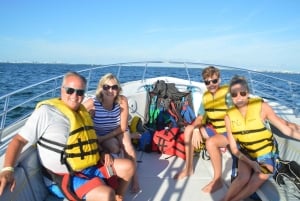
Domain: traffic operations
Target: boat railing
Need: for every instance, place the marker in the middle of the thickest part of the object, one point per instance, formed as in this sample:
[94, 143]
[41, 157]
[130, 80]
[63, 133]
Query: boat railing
[18, 105]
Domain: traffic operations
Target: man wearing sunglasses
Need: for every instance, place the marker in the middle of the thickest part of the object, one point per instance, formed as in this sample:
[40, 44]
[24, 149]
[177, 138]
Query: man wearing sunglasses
[52, 126]
[209, 125]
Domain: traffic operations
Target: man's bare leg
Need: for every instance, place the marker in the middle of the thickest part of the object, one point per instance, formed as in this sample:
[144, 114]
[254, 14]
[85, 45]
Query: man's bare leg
[189, 150]
[213, 145]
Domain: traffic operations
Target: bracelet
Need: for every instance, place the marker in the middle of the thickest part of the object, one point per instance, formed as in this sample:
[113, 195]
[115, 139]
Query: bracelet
[240, 156]
[196, 129]
[11, 169]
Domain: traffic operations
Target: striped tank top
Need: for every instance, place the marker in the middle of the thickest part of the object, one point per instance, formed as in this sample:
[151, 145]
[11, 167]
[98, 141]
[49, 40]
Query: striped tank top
[105, 120]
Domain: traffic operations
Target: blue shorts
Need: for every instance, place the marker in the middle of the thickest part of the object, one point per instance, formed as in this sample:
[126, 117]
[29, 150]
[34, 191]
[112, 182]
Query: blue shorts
[211, 131]
[268, 159]
[88, 179]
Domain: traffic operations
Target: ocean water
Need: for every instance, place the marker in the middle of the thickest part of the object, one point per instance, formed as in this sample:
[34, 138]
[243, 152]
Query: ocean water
[14, 76]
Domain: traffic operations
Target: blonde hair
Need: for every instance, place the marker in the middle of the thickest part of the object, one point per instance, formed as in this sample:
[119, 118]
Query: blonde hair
[210, 71]
[102, 81]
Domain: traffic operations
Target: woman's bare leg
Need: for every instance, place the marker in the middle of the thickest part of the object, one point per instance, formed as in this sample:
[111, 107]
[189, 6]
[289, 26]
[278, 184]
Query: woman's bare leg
[111, 145]
[131, 154]
[255, 182]
[245, 184]
[125, 169]
[105, 192]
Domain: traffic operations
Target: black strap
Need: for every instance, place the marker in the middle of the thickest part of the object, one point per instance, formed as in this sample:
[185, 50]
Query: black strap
[215, 109]
[48, 147]
[203, 152]
[255, 150]
[81, 129]
[249, 131]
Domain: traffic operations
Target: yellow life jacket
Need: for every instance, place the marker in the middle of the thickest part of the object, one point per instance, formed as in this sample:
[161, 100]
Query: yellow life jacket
[250, 132]
[81, 150]
[134, 124]
[215, 108]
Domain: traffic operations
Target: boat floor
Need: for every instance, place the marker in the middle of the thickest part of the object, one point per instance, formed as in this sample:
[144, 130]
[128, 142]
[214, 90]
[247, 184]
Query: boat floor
[156, 174]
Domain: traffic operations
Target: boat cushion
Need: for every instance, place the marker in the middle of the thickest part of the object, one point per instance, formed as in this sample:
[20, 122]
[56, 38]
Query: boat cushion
[288, 150]
[23, 190]
[29, 180]
[30, 163]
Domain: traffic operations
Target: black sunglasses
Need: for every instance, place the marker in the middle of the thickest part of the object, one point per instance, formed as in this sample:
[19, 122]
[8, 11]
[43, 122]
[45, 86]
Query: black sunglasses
[214, 81]
[113, 87]
[79, 92]
[235, 94]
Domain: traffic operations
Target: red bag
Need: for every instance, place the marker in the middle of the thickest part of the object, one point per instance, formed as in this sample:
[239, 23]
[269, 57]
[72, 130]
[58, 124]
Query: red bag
[170, 142]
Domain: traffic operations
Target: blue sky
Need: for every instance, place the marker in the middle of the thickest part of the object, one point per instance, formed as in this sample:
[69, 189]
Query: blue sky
[256, 34]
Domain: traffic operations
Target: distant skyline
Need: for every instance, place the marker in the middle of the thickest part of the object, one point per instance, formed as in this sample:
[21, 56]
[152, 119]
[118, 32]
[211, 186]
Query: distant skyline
[254, 34]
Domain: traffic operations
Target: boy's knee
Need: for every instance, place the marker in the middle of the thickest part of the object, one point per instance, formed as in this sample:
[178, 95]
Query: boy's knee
[210, 142]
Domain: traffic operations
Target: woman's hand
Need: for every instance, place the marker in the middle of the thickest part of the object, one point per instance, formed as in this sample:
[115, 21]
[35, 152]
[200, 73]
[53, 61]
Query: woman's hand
[255, 167]
[92, 113]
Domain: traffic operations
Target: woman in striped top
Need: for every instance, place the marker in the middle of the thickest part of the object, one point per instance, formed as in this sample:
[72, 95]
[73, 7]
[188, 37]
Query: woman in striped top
[109, 110]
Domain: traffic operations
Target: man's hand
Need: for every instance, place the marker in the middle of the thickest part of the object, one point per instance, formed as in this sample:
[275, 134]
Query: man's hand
[197, 139]
[7, 177]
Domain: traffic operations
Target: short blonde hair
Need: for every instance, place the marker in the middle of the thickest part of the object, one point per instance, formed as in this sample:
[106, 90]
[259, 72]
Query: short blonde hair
[102, 81]
[210, 71]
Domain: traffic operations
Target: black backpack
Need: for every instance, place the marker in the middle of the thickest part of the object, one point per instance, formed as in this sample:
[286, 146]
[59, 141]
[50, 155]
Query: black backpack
[287, 175]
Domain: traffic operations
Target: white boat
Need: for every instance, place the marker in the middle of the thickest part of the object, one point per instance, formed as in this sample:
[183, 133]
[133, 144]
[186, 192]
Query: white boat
[155, 170]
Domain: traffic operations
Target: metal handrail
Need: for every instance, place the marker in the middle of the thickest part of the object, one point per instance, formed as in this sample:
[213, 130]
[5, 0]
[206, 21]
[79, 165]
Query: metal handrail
[145, 65]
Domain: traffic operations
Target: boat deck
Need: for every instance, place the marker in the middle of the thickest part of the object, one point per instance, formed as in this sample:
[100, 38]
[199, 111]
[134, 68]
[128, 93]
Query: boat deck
[156, 173]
